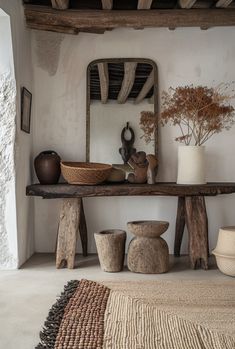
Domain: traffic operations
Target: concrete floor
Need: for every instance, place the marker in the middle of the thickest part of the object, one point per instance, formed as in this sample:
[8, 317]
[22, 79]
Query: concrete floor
[27, 294]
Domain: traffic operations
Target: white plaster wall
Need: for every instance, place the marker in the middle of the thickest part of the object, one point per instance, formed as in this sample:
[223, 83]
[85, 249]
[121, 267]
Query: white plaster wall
[6, 61]
[106, 124]
[21, 40]
[8, 226]
[183, 56]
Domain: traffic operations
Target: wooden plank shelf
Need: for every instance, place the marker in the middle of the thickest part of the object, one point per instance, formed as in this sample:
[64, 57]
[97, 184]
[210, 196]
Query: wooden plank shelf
[64, 190]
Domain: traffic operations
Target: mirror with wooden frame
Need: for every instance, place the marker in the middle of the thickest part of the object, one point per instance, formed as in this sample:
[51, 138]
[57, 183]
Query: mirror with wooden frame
[118, 92]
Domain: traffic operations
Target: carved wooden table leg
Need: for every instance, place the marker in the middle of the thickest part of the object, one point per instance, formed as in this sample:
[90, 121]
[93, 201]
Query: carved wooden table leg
[67, 234]
[197, 224]
[179, 227]
[72, 220]
[83, 230]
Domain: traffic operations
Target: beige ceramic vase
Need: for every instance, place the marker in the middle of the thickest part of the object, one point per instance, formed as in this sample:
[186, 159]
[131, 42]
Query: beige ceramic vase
[191, 165]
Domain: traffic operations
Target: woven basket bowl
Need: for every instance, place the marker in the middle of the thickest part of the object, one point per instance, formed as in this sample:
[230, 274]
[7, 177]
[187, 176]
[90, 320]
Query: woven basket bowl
[85, 173]
[226, 241]
[226, 264]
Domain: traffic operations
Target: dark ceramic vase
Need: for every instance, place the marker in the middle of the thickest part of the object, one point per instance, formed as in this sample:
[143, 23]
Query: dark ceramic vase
[47, 167]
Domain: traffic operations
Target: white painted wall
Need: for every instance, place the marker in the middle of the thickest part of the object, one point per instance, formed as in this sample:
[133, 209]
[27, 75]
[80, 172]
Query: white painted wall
[106, 124]
[21, 40]
[183, 56]
[6, 59]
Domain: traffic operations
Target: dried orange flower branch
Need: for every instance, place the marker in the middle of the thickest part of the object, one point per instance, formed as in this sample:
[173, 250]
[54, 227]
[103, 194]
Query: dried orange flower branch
[148, 123]
[199, 112]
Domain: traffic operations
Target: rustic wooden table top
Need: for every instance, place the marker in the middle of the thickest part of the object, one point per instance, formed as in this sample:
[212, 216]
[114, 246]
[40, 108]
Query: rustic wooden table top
[64, 190]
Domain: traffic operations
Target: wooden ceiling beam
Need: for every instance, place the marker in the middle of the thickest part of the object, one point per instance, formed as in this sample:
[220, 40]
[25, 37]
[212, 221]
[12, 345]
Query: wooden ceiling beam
[128, 81]
[93, 30]
[81, 19]
[64, 30]
[144, 4]
[146, 88]
[53, 28]
[223, 3]
[107, 4]
[104, 81]
[186, 3]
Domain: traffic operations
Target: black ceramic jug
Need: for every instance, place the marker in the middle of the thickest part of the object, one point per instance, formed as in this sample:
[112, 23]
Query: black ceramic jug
[47, 167]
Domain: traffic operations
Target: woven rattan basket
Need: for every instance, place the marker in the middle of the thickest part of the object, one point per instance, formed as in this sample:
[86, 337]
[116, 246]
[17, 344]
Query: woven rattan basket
[226, 264]
[225, 250]
[85, 173]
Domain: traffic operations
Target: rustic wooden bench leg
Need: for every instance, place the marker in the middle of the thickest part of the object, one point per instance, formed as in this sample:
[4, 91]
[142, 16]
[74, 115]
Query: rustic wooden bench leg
[83, 230]
[67, 233]
[179, 226]
[197, 224]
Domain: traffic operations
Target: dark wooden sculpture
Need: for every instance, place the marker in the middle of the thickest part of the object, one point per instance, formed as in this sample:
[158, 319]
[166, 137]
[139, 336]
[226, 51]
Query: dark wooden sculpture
[127, 149]
[139, 164]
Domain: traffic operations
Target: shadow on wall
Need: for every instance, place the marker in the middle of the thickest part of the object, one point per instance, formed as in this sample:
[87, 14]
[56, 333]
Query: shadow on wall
[48, 51]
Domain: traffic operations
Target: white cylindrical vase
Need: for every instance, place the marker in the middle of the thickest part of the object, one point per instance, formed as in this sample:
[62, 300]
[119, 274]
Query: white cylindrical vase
[191, 165]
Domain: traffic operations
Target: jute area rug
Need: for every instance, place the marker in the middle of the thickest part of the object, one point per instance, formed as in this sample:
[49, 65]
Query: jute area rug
[142, 315]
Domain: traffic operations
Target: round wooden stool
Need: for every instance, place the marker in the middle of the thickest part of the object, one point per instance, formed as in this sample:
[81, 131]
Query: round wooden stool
[148, 253]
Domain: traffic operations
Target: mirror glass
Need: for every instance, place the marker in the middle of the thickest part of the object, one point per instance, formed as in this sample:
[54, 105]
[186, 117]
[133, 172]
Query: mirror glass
[121, 109]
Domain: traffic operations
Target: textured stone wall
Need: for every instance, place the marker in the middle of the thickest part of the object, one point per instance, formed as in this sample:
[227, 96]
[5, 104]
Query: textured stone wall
[7, 168]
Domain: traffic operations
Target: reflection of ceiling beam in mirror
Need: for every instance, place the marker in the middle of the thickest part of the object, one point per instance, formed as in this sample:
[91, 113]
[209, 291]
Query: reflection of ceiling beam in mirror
[186, 3]
[144, 4]
[107, 4]
[223, 3]
[146, 88]
[59, 4]
[151, 99]
[127, 82]
[104, 81]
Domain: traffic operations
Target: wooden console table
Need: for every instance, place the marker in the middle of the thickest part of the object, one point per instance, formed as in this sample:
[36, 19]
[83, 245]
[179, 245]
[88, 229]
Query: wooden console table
[191, 211]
